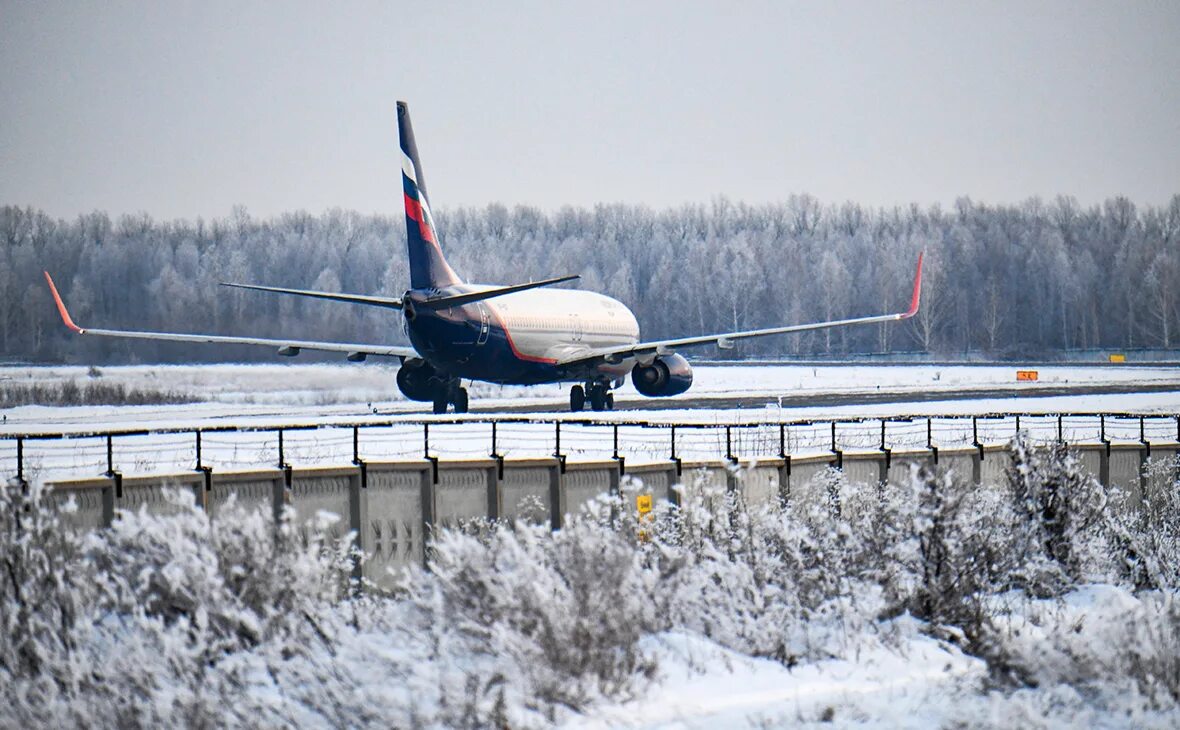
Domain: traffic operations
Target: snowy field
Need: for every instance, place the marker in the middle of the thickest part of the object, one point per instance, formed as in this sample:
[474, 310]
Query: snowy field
[327, 400]
[793, 620]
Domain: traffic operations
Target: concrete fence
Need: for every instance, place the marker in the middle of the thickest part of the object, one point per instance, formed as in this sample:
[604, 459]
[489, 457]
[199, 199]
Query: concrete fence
[393, 506]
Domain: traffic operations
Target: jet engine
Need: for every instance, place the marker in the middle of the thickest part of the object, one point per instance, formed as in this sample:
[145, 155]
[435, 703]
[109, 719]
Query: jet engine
[667, 375]
[417, 380]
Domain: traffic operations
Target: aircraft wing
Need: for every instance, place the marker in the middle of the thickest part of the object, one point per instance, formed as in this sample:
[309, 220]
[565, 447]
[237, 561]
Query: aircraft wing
[355, 352]
[725, 340]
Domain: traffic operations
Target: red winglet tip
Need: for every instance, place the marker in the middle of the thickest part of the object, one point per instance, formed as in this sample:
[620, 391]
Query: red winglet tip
[916, 300]
[61, 306]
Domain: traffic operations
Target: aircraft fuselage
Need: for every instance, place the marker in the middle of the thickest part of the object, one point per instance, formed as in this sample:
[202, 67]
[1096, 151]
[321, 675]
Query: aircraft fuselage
[521, 338]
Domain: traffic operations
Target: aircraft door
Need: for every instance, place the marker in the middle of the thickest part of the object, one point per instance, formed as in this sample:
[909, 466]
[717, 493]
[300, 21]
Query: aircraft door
[578, 329]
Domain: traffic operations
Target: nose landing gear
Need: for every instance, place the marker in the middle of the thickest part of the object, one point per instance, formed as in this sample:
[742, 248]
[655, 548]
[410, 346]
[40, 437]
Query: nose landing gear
[599, 395]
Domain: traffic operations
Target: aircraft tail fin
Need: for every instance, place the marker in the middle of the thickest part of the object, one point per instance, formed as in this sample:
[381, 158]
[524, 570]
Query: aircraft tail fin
[428, 267]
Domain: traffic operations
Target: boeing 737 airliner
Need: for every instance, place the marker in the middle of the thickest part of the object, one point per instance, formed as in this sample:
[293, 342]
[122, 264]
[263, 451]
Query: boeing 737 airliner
[501, 334]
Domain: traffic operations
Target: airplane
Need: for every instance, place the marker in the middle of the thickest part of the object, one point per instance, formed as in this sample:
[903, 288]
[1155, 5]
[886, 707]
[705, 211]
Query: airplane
[523, 334]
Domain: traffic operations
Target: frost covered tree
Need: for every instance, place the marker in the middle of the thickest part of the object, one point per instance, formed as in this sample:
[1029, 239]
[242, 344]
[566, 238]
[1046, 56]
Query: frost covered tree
[1020, 279]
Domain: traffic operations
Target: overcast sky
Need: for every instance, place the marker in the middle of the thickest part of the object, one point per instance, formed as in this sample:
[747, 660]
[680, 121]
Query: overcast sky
[186, 109]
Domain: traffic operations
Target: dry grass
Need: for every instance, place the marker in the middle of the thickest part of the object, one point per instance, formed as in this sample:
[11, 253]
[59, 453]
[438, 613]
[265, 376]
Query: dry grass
[71, 393]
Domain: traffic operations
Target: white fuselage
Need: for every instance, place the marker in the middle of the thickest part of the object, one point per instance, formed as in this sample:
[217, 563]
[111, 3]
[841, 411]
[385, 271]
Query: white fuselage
[552, 324]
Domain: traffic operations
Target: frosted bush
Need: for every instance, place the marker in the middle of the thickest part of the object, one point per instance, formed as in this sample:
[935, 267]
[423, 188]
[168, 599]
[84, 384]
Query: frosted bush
[44, 599]
[763, 580]
[1115, 647]
[564, 610]
[130, 626]
[1060, 519]
[183, 620]
[1147, 530]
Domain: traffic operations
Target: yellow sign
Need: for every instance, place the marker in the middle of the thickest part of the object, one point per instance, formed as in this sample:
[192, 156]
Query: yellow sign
[643, 503]
[1118, 357]
[1026, 374]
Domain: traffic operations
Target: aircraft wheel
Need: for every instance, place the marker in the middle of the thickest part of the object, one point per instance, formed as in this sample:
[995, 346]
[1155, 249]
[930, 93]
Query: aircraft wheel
[610, 401]
[440, 404]
[577, 398]
[598, 398]
[461, 400]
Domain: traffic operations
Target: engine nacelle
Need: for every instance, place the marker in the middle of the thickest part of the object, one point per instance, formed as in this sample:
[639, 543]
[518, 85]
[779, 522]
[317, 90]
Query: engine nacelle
[417, 380]
[667, 375]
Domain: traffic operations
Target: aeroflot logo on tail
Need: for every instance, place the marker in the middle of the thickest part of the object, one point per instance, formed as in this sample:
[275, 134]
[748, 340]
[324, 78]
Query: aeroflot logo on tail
[416, 205]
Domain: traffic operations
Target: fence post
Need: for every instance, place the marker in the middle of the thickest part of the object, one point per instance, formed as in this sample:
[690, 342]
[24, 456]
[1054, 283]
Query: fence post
[20, 460]
[557, 447]
[115, 476]
[887, 461]
[675, 458]
[930, 439]
[498, 457]
[1144, 457]
[839, 454]
[426, 453]
[207, 472]
[616, 457]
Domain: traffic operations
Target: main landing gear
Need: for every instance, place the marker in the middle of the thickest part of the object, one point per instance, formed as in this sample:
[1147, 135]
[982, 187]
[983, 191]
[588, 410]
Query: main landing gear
[599, 395]
[451, 394]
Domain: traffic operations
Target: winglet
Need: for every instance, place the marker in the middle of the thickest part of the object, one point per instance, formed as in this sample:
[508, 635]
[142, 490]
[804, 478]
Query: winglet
[917, 290]
[61, 307]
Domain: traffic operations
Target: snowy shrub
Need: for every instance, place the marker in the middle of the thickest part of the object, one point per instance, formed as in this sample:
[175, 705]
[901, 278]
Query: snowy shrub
[762, 580]
[134, 626]
[565, 610]
[1148, 533]
[44, 593]
[963, 540]
[184, 620]
[238, 576]
[1060, 515]
[1101, 640]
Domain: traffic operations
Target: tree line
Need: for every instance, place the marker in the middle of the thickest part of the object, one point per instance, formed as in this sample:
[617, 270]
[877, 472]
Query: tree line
[1026, 279]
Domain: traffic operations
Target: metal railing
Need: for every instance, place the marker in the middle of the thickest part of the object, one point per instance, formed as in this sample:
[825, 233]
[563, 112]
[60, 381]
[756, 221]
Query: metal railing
[58, 455]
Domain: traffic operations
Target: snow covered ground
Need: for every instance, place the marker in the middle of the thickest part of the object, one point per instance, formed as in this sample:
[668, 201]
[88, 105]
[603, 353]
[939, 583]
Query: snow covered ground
[711, 614]
[339, 389]
[270, 396]
[900, 677]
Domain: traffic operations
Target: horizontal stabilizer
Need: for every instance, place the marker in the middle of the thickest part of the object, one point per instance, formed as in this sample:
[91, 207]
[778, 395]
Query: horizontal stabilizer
[461, 299]
[387, 302]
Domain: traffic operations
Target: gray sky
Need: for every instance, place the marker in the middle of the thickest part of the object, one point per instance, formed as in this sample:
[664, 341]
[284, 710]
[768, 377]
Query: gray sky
[186, 109]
